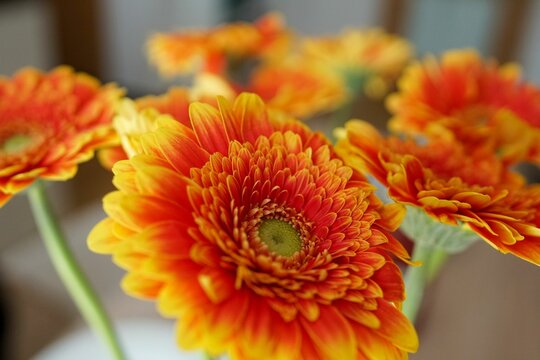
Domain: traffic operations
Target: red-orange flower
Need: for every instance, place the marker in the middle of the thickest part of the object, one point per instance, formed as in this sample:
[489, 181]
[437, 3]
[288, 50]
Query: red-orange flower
[191, 51]
[368, 58]
[49, 123]
[453, 185]
[299, 89]
[476, 101]
[248, 228]
[296, 88]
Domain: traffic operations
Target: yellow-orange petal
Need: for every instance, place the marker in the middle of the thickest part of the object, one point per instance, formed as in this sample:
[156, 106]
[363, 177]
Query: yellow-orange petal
[252, 116]
[375, 347]
[332, 335]
[166, 240]
[357, 313]
[208, 127]
[217, 284]
[141, 286]
[134, 210]
[265, 335]
[395, 327]
[102, 239]
[153, 179]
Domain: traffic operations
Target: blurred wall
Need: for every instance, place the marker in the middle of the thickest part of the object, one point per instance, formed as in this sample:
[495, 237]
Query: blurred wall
[26, 37]
[529, 52]
[435, 26]
[127, 26]
[319, 17]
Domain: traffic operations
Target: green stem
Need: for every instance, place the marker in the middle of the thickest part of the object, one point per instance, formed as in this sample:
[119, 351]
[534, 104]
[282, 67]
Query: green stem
[70, 272]
[341, 116]
[355, 83]
[415, 280]
[436, 262]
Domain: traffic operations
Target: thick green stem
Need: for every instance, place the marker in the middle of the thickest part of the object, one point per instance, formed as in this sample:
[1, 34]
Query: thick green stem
[70, 272]
[415, 280]
[437, 260]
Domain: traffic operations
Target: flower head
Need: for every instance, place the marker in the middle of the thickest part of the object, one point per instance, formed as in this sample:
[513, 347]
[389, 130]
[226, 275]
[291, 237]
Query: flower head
[49, 123]
[291, 86]
[452, 185]
[299, 89]
[371, 58]
[191, 51]
[478, 102]
[249, 228]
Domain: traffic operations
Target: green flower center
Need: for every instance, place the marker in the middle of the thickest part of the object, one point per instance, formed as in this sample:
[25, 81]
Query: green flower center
[15, 143]
[280, 237]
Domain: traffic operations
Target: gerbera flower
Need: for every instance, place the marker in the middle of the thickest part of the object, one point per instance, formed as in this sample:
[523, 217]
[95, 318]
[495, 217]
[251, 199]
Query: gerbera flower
[49, 123]
[248, 228]
[480, 103]
[296, 88]
[299, 89]
[191, 51]
[369, 60]
[452, 185]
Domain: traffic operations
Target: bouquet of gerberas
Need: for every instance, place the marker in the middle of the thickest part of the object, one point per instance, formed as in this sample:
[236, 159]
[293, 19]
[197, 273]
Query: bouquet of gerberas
[262, 238]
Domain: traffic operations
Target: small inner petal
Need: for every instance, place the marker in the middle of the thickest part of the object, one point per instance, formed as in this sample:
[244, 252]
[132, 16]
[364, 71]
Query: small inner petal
[280, 237]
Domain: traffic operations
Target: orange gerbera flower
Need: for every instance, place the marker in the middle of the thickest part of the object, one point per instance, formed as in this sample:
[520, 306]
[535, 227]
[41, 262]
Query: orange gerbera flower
[247, 227]
[49, 123]
[478, 102]
[299, 89]
[452, 185]
[190, 51]
[368, 58]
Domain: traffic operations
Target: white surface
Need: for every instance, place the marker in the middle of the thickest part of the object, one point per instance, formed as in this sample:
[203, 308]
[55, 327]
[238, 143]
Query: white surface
[143, 339]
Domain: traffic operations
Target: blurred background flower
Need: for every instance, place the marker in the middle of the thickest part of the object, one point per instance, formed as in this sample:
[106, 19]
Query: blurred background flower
[49, 123]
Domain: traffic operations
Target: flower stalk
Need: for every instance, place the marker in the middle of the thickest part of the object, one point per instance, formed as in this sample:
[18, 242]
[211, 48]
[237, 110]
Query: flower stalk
[70, 272]
[437, 260]
[416, 279]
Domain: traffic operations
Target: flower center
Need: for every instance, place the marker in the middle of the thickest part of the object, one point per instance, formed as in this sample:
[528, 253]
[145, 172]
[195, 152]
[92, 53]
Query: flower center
[280, 237]
[15, 143]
